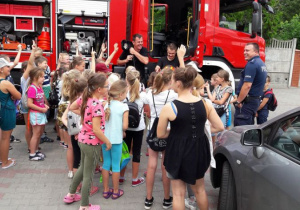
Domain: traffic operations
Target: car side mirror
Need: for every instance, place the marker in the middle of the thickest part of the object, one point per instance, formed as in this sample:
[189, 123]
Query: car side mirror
[252, 137]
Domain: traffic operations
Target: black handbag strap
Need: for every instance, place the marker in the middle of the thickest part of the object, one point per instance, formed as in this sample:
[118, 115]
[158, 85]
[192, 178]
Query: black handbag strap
[154, 102]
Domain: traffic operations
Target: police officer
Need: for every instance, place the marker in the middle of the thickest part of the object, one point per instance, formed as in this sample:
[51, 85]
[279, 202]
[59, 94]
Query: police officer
[250, 88]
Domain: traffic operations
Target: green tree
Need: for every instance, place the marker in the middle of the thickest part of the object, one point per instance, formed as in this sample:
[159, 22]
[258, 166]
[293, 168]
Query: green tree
[289, 8]
[271, 22]
[290, 29]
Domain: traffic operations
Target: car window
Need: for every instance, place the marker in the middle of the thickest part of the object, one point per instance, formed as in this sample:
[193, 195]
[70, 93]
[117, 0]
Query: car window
[287, 138]
[267, 133]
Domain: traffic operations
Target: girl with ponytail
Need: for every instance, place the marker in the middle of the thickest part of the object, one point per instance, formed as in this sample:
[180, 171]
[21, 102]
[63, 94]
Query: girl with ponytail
[157, 97]
[135, 135]
[90, 138]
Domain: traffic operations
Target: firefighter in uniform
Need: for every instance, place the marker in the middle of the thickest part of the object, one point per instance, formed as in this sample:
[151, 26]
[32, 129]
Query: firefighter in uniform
[250, 88]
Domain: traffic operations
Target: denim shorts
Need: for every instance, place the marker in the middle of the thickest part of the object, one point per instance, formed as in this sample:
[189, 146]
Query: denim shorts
[37, 118]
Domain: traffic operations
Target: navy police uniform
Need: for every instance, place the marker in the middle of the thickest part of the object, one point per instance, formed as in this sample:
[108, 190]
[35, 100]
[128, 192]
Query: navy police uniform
[256, 73]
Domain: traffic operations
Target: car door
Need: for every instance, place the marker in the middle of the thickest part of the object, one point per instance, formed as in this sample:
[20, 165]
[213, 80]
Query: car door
[271, 173]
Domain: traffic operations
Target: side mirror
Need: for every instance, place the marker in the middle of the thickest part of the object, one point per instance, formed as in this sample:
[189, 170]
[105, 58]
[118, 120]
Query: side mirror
[252, 137]
[255, 19]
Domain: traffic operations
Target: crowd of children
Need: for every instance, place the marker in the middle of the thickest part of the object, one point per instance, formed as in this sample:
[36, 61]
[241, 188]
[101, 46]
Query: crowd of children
[92, 115]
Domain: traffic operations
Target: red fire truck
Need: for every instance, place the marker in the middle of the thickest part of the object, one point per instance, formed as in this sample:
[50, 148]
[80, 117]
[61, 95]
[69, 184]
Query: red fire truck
[213, 39]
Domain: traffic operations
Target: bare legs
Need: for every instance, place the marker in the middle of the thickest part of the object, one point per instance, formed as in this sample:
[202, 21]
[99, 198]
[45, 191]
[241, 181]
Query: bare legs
[105, 178]
[151, 169]
[4, 147]
[37, 131]
[178, 189]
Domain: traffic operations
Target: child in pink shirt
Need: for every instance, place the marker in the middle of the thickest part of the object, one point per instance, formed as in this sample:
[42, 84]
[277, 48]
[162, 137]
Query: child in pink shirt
[94, 109]
[37, 111]
[90, 138]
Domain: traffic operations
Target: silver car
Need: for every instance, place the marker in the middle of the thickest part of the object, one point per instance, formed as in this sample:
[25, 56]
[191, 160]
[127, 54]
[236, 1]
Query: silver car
[258, 166]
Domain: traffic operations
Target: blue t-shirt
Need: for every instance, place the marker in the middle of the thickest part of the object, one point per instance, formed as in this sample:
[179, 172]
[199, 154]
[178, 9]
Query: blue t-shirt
[264, 95]
[256, 73]
[114, 126]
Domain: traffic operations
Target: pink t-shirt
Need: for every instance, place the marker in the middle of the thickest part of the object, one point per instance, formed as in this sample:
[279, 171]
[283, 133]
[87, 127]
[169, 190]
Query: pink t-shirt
[37, 94]
[94, 109]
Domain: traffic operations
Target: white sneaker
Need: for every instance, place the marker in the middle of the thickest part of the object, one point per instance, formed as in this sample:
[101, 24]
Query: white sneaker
[70, 174]
[190, 203]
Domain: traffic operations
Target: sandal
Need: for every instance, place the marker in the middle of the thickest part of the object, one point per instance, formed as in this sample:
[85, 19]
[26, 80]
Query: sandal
[117, 195]
[13, 163]
[94, 190]
[72, 199]
[7, 159]
[107, 194]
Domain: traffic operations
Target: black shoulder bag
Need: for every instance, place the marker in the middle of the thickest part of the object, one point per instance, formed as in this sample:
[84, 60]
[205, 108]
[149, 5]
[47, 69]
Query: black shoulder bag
[155, 143]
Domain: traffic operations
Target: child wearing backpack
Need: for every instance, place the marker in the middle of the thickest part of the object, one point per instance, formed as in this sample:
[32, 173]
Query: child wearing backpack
[263, 111]
[37, 111]
[116, 117]
[134, 134]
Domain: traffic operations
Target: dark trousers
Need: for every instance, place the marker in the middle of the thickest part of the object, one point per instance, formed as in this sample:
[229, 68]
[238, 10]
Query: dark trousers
[76, 152]
[246, 114]
[137, 138]
[262, 116]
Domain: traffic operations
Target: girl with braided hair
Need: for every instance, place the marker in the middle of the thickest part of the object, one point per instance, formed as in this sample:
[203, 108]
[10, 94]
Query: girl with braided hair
[116, 117]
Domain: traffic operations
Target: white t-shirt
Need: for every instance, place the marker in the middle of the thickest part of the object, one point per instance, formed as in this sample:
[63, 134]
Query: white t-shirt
[140, 102]
[160, 101]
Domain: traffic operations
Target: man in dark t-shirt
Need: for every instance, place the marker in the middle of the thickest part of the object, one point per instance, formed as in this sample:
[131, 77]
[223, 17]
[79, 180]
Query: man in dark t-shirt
[136, 56]
[170, 60]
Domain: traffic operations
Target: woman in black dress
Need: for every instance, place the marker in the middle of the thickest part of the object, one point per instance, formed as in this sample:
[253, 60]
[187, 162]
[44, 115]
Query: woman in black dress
[187, 155]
